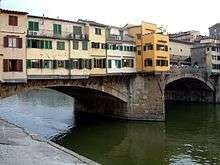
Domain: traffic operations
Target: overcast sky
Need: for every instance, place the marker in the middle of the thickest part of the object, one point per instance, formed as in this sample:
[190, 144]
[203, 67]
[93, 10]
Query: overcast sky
[175, 15]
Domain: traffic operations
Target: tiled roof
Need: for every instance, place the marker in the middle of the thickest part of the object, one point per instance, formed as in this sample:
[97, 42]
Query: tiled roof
[12, 12]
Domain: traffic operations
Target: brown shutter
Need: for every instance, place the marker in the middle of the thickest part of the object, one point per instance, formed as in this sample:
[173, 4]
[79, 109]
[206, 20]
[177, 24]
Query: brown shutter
[10, 20]
[15, 21]
[19, 42]
[19, 65]
[5, 41]
[5, 65]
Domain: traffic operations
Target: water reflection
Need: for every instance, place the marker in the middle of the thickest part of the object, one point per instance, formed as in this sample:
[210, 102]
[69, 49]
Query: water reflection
[43, 111]
[190, 134]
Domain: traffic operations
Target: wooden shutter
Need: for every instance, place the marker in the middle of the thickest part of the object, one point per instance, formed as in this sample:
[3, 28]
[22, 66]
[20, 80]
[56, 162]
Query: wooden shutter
[19, 42]
[5, 65]
[5, 41]
[10, 20]
[15, 21]
[19, 65]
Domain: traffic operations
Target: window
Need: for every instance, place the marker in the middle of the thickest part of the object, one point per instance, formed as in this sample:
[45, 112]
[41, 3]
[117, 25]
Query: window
[88, 63]
[118, 63]
[47, 64]
[162, 63]
[60, 45]
[13, 20]
[148, 47]
[34, 26]
[95, 45]
[138, 36]
[40, 44]
[128, 63]
[207, 49]
[213, 49]
[12, 42]
[148, 62]
[98, 31]
[104, 46]
[77, 30]
[60, 64]
[75, 45]
[14, 65]
[139, 52]
[57, 29]
[99, 63]
[84, 45]
[162, 47]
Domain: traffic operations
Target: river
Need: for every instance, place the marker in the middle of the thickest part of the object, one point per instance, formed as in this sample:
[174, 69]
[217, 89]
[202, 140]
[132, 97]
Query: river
[190, 135]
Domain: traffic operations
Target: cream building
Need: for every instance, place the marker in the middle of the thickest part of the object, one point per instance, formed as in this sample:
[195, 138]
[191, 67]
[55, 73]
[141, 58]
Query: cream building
[121, 51]
[56, 48]
[13, 46]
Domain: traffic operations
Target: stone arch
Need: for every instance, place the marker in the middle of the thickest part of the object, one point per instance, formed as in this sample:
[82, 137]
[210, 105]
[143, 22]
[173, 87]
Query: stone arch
[171, 79]
[109, 89]
[189, 87]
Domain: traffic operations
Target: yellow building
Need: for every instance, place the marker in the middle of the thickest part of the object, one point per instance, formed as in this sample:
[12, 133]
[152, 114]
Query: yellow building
[13, 28]
[152, 48]
[97, 46]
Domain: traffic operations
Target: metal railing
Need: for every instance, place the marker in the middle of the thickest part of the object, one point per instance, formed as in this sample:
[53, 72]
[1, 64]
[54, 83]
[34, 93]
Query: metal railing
[50, 33]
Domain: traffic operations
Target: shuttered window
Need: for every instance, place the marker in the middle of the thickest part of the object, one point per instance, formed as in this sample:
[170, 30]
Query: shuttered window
[12, 65]
[34, 26]
[12, 42]
[13, 20]
[60, 45]
[57, 29]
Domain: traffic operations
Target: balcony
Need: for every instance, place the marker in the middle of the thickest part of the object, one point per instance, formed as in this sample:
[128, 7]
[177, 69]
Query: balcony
[51, 34]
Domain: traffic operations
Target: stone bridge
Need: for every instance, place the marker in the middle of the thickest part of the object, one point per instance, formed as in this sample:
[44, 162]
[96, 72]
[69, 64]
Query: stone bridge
[132, 96]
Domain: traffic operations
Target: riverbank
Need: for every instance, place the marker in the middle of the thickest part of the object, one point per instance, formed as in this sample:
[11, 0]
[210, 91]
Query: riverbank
[19, 146]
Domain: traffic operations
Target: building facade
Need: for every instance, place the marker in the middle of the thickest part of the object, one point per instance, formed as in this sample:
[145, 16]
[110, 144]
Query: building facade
[121, 51]
[39, 47]
[207, 55]
[152, 48]
[214, 31]
[180, 52]
[13, 32]
[188, 36]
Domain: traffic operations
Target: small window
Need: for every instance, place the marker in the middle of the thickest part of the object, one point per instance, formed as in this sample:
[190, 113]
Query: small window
[138, 36]
[75, 45]
[77, 30]
[148, 62]
[34, 26]
[139, 52]
[84, 45]
[13, 20]
[57, 29]
[98, 31]
[60, 45]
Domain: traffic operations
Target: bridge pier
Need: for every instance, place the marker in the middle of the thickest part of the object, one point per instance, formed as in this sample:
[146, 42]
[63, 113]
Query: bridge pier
[146, 101]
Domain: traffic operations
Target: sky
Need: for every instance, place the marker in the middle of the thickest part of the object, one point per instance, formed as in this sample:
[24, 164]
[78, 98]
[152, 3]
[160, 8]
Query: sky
[174, 15]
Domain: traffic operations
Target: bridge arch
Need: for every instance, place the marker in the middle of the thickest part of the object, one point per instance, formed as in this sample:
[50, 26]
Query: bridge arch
[100, 95]
[189, 87]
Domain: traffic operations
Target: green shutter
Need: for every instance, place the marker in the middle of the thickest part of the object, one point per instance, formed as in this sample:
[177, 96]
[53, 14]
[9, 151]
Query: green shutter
[55, 64]
[29, 43]
[59, 29]
[36, 26]
[29, 64]
[50, 44]
[30, 25]
[54, 29]
[42, 44]
[109, 63]
[67, 64]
